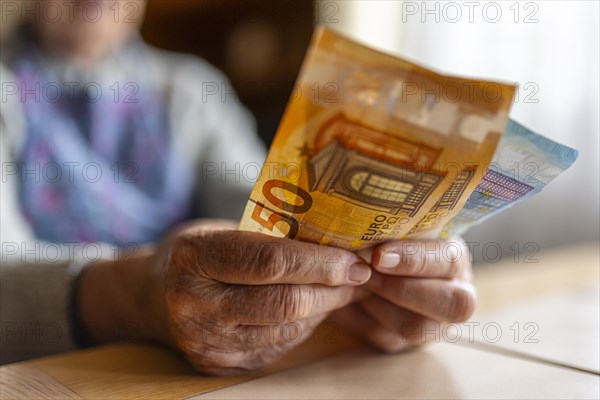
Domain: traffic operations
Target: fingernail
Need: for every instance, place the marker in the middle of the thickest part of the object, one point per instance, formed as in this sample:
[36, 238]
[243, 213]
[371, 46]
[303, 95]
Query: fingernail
[388, 260]
[359, 273]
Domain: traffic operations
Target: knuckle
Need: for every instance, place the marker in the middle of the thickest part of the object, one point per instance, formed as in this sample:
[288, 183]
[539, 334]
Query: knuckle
[454, 268]
[330, 279]
[182, 252]
[181, 267]
[293, 303]
[337, 263]
[390, 343]
[337, 271]
[456, 257]
[269, 259]
[411, 263]
[317, 263]
[461, 304]
[397, 289]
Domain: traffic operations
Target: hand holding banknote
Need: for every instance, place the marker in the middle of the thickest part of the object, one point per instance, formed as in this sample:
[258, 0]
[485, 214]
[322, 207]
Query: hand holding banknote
[415, 286]
[230, 301]
[375, 163]
[234, 301]
[373, 166]
[249, 295]
[233, 297]
[373, 150]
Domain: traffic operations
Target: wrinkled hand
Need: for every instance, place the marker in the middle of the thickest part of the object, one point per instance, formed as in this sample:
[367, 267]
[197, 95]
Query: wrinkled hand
[415, 287]
[231, 296]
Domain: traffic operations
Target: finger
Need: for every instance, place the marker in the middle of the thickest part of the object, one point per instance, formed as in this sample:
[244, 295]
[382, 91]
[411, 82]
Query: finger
[414, 328]
[434, 259]
[370, 330]
[242, 349]
[439, 299]
[276, 304]
[288, 334]
[249, 258]
[244, 338]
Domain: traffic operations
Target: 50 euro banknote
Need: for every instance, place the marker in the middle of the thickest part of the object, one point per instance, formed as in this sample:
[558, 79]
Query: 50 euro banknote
[373, 148]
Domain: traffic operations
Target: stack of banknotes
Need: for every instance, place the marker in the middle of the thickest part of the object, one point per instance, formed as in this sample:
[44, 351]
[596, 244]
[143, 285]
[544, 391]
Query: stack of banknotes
[374, 148]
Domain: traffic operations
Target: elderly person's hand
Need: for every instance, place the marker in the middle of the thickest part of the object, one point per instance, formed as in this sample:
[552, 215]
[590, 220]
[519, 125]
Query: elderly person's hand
[231, 301]
[415, 287]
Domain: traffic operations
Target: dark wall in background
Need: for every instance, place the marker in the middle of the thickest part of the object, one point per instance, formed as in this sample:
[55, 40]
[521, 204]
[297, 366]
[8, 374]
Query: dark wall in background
[258, 44]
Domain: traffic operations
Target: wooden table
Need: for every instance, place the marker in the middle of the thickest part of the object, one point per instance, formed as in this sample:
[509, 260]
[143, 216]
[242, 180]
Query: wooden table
[558, 297]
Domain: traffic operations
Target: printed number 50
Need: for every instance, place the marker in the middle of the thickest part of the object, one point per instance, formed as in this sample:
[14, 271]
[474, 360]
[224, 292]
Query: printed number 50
[282, 205]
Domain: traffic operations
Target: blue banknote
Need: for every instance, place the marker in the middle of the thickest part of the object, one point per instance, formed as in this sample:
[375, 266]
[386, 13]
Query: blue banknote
[523, 164]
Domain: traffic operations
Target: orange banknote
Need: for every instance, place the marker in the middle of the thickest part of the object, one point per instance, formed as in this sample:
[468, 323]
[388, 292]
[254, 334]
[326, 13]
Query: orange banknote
[373, 148]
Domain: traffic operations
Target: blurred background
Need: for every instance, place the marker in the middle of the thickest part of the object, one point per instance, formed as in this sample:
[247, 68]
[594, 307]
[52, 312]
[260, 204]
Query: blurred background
[549, 48]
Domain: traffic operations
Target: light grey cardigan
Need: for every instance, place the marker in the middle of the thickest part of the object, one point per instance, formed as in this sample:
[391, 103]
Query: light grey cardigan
[210, 128]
